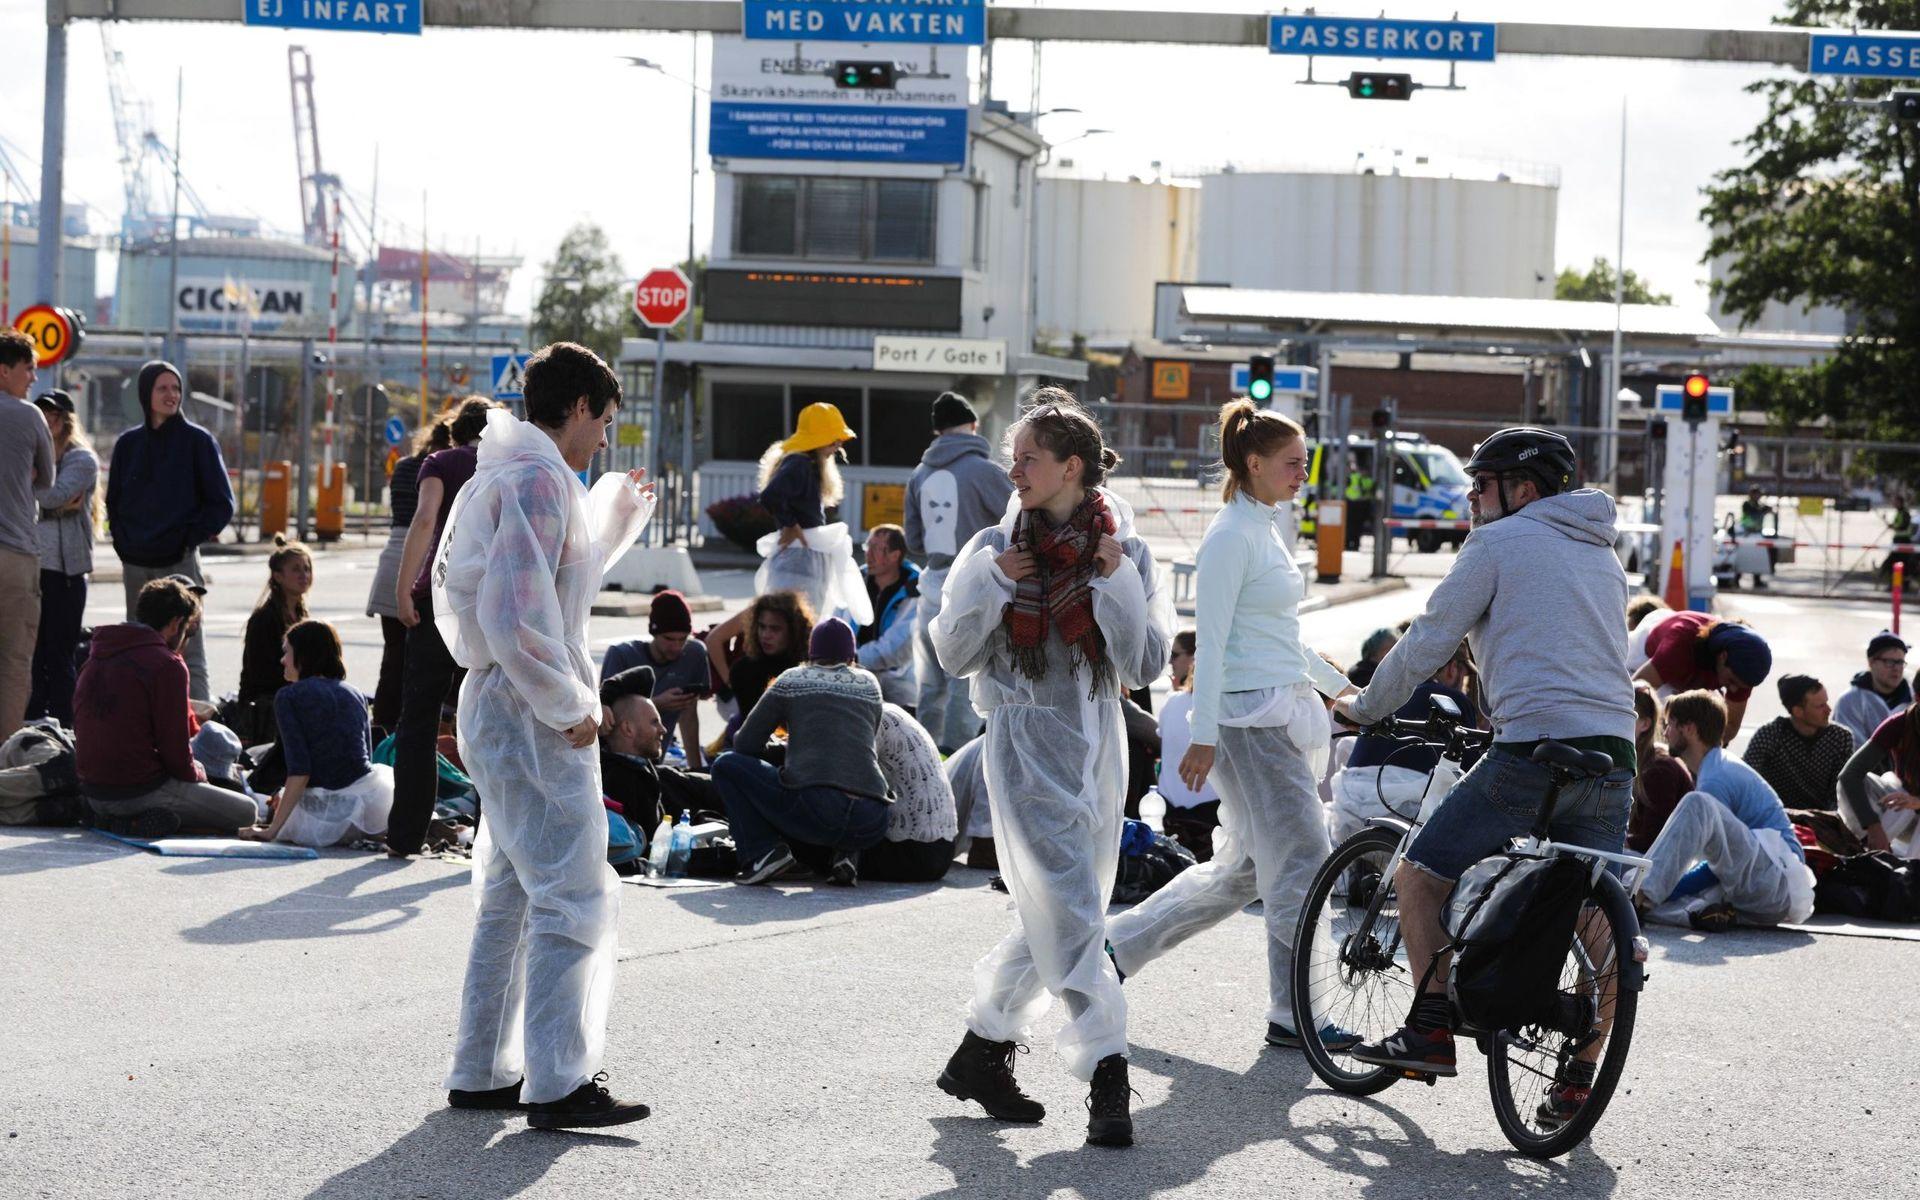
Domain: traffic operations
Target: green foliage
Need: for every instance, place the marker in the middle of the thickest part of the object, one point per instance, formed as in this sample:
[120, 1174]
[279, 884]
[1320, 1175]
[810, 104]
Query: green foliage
[583, 297]
[1597, 284]
[1826, 211]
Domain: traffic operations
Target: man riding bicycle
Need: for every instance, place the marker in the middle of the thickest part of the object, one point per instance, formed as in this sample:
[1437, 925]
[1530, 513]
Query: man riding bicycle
[1540, 596]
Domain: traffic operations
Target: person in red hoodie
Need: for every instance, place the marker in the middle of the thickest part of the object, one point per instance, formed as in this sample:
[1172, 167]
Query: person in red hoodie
[132, 725]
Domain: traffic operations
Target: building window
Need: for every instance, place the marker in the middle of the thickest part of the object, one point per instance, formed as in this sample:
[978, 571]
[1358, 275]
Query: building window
[899, 426]
[845, 220]
[747, 418]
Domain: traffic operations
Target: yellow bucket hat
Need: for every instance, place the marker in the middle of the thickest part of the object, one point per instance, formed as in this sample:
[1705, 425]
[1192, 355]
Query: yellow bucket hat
[819, 425]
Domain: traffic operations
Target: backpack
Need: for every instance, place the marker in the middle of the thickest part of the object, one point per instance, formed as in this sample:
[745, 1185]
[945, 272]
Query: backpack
[1511, 921]
[1148, 862]
[623, 845]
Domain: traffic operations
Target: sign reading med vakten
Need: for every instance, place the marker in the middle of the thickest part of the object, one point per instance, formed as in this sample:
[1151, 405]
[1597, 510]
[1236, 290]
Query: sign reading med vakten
[1382, 37]
[359, 16]
[922, 22]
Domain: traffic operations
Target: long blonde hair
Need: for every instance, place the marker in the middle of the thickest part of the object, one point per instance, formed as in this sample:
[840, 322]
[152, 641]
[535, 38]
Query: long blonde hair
[826, 462]
[76, 435]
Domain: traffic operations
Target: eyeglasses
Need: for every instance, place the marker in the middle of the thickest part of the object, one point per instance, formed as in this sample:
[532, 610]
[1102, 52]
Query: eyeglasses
[1480, 483]
[1890, 662]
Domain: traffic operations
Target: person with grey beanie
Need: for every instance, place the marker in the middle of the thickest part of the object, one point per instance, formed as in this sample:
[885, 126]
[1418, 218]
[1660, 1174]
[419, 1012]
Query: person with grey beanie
[167, 495]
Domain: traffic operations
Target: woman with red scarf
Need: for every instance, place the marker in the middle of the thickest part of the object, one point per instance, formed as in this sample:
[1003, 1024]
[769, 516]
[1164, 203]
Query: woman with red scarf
[1054, 614]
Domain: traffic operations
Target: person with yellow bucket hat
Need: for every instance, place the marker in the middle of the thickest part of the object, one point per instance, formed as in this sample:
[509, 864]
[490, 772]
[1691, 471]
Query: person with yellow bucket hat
[799, 478]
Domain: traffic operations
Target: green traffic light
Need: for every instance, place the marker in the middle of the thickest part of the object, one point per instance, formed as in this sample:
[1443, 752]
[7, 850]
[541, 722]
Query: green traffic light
[1366, 88]
[1260, 389]
[851, 77]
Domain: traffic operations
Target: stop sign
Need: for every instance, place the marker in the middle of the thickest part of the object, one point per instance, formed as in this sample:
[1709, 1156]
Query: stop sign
[662, 297]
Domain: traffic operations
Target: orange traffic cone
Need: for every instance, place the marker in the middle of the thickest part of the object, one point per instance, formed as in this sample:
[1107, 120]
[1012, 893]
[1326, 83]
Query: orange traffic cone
[1677, 579]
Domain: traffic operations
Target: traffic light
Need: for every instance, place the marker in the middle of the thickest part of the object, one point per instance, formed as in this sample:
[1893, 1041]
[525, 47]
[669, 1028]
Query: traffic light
[1905, 106]
[1693, 398]
[1376, 85]
[866, 75]
[1380, 419]
[1260, 378]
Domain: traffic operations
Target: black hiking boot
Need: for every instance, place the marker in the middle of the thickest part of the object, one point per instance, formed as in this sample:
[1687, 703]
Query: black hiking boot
[589, 1106]
[982, 1070]
[1109, 1117]
[492, 1098]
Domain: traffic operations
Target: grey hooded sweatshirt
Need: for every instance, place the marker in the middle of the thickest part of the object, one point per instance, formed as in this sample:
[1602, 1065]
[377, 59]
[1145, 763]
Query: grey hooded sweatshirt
[1542, 600]
[957, 491]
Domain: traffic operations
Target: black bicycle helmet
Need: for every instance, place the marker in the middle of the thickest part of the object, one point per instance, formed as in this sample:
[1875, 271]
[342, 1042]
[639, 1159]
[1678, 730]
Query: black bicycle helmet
[1537, 454]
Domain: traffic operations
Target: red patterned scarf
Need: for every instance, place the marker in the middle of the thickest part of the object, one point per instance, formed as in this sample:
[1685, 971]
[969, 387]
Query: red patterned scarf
[1059, 594]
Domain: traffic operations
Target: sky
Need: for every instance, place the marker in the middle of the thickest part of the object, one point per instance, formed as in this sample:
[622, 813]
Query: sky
[510, 137]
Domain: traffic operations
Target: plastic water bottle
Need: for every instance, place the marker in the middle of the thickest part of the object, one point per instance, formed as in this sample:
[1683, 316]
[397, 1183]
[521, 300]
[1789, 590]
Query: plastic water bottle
[658, 849]
[680, 846]
[1153, 809]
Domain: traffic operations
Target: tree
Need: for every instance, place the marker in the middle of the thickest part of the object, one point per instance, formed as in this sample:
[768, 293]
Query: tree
[1826, 211]
[584, 295]
[1597, 284]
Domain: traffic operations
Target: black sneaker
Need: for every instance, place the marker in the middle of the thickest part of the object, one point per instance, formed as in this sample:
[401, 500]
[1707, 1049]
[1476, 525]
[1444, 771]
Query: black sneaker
[774, 864]
[1572, 1087]
[1714, 918]
[492, 1098]
[982, 1070]
[589, 1107]
[1425, 1053]
[845, 871]
[1109, 1118]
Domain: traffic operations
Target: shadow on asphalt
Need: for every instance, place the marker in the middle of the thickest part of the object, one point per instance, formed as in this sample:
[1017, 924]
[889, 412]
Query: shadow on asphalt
[1709, 949]
[42, 849]
[449, 1155]
[1212, 1113]
[328, 907]
[803, 900]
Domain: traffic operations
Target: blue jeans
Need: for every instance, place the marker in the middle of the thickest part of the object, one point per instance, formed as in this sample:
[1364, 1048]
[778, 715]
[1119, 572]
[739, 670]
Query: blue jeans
[764, 812]
[1498, 801]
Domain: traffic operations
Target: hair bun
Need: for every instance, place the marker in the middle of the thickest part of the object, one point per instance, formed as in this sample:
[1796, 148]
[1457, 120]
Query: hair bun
[1108, 458]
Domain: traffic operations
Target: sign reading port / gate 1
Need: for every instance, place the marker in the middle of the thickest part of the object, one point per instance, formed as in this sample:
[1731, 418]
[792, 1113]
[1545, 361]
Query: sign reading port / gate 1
[1382, 37]
[924, 22]
[510, 376]
[358, 16]
[786, 102]
[1302, 381]
[1868, 56]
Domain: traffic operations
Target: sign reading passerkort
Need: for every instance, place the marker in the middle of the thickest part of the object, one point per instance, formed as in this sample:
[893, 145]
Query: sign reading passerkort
[1382, 37]
[779, 102]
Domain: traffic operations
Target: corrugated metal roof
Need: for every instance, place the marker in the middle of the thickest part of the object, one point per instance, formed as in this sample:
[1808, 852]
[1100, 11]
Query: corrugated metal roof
[1444, 313]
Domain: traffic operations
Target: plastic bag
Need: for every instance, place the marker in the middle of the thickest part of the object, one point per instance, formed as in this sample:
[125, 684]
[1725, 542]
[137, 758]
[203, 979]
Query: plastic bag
[823, 570]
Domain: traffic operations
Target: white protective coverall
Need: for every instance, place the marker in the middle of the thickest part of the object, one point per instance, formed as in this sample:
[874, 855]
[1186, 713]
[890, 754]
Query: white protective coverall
[515, 576]
[1362, 794]
[823, 570]
[1764, 880]
[1056, 763]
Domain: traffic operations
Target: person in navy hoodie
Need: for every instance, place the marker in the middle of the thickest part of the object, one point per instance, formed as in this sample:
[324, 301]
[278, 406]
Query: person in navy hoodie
[167, 494]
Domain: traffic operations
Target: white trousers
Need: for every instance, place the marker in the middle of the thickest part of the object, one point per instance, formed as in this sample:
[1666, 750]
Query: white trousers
[1758, 873]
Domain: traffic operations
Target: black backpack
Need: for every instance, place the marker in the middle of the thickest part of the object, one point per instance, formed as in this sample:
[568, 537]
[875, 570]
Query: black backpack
[1511, 921]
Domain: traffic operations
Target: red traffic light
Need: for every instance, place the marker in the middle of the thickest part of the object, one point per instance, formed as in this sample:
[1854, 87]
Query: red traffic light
[1696, 385]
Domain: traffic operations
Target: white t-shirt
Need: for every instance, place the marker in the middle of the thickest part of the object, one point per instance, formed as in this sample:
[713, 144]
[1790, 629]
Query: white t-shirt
[1175, 737]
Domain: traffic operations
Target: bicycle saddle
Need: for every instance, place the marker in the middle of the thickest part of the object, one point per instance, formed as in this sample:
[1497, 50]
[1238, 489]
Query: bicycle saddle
[1594, 763]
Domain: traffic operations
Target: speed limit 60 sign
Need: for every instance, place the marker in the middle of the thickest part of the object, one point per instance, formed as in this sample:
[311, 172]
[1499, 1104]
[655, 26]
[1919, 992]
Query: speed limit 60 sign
[56, 332]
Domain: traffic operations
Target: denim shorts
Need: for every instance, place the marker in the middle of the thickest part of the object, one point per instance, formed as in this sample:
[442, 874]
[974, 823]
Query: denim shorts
[1498, 800]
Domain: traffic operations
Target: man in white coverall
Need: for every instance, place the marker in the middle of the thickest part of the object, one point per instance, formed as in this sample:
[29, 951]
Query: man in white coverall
[517, 570]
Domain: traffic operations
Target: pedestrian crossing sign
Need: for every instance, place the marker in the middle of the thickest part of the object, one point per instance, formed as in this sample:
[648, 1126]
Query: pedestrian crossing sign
[510, 376]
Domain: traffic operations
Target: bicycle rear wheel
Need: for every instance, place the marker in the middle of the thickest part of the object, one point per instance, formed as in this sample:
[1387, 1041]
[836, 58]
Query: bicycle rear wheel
[1528, 1069]
[1349, 968]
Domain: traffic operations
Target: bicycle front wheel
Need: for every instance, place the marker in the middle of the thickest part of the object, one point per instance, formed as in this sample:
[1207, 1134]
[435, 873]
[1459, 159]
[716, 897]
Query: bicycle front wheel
[1550, 1084]
[1349, 963]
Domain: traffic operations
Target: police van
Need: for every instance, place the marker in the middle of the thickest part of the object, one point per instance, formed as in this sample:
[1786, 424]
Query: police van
[1429, 484]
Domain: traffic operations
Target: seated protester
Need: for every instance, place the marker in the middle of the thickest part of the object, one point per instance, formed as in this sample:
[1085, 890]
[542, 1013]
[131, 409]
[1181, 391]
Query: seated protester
[631, 772]
[1641, 607]
[1661, 779]
[132, 726]
[679, 662]
[773, 633]
[1801, 754]
[1728, 854]
[334, 792]
[1877, 692]
[1683, 651]
[831, 792]
[967, 777]
[1880, 786]
[921, 824]
[1371, 652]
[1385, 778]
[282, 606]
[893, 588]
[1191, 816]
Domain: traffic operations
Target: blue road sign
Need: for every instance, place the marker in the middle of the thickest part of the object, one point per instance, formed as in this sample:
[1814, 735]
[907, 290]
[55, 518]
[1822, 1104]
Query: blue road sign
[359, 16]
[1299, 381]
[922, 22]
[510, 376]
[1382, 37]
[396, 431]
[1864, 56]
[843, 133]
[1669, 397]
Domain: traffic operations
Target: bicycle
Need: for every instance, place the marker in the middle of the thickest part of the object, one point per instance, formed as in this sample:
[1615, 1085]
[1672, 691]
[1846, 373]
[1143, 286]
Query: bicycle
[1351, 969]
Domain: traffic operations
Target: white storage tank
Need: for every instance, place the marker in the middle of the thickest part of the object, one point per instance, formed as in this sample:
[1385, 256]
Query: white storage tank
[1102, 246]
[1396, 225]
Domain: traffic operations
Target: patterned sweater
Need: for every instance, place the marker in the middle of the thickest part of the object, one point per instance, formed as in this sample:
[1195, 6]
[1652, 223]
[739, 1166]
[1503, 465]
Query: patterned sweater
[1803, 771]
[832, 718]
